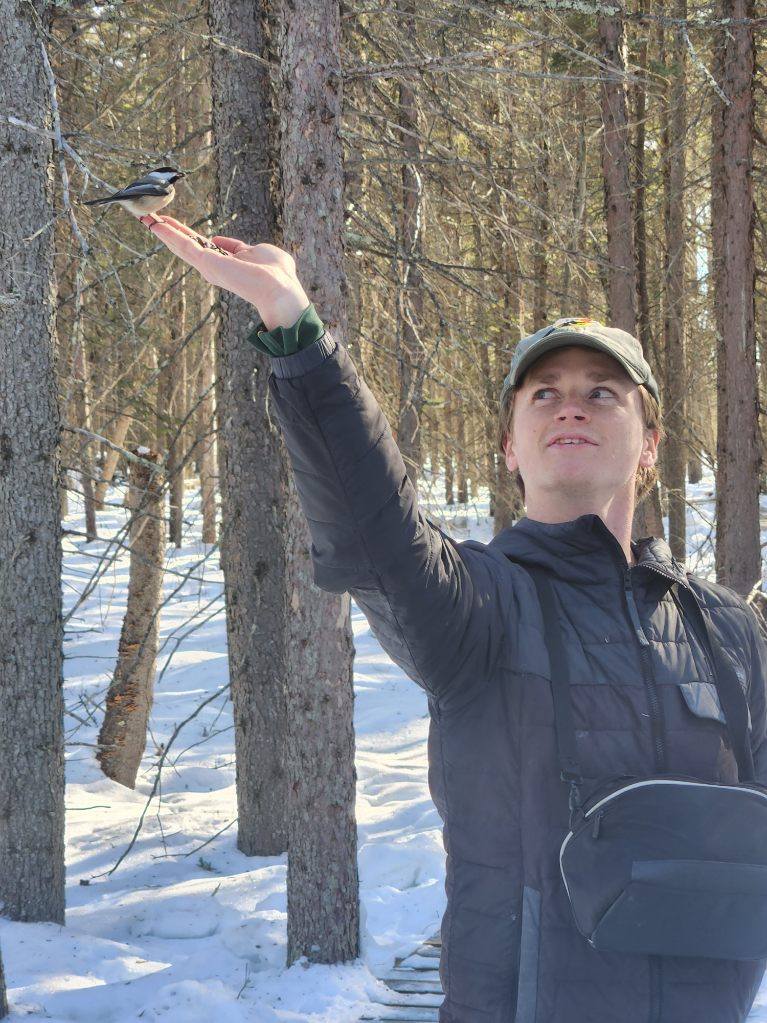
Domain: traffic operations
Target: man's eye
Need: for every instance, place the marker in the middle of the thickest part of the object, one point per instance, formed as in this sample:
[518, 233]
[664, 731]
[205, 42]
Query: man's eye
[544, 390]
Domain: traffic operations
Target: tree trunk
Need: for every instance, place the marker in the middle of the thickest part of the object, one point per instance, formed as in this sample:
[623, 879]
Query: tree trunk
[640, 191]
[31, 635]
[676, 383]
[252, 463]
[509, 505]
[738, 556]
[119, 424]
[82, 409]
[323, 899]
[122, 738]
[3, 995]
[206, 421]
[543, 201]
[622, 281]
[410, 292]
[174, 390]
[615, 167]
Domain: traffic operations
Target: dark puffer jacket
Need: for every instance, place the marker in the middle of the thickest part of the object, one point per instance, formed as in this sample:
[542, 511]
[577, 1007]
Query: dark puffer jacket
[463, 621]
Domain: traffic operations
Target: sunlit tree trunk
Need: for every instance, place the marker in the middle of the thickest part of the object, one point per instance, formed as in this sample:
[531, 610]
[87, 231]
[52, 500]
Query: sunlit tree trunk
[31, 634]
[252, 459]
[323, 898]
[122, 738]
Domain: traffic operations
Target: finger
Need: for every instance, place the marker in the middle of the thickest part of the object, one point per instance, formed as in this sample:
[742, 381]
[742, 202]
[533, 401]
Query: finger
[233, 245]
[180, 244]
[183, 228]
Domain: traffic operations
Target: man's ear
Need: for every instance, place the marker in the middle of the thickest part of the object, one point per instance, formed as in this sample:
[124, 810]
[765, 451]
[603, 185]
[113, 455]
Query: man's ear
[649, 455]
[512, 462]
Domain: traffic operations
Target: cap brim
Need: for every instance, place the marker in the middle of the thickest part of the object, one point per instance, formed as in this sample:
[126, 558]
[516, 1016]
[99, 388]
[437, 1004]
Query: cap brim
[565, 338]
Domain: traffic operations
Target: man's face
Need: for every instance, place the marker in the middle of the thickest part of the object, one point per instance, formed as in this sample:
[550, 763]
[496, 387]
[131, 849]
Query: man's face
[581, 392]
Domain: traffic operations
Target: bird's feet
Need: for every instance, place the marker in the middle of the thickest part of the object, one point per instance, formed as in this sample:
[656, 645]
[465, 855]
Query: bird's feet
[149, 220]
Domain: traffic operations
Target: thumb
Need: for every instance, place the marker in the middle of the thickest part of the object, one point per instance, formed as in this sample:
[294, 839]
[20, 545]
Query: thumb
[233, 245]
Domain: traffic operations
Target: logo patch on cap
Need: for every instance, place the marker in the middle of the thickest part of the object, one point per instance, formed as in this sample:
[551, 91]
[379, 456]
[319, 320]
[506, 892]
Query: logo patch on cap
[579, 323]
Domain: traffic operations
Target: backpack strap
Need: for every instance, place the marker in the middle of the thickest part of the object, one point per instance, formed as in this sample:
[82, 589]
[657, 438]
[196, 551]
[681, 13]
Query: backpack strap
[570, 770]
[731, 695]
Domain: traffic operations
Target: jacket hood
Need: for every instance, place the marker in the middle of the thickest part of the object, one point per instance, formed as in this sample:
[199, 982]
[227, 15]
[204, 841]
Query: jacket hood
[582, 550]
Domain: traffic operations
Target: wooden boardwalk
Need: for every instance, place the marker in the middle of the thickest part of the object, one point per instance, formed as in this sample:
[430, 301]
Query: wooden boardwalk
[416, 991]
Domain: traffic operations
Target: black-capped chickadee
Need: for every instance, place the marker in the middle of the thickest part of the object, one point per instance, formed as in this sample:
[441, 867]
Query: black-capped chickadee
[145, 195]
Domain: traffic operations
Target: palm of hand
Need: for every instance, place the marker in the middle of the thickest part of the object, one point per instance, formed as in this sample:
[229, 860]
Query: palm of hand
[262, 274]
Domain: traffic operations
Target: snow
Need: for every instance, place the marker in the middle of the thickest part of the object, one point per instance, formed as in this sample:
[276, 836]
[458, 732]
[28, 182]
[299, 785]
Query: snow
[186, 928]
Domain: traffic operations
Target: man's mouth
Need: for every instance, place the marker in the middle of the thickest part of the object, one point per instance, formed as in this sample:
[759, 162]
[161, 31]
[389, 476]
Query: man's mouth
[571, 442]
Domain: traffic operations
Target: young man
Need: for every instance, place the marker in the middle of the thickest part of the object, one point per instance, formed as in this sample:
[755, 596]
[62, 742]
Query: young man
[580, 424]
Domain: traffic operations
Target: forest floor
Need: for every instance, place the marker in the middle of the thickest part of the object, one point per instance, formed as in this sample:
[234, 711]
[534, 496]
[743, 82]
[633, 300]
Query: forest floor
[186, 928]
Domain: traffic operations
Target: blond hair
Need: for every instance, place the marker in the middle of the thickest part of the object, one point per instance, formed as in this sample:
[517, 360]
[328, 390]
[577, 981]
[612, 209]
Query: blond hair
[646, 476]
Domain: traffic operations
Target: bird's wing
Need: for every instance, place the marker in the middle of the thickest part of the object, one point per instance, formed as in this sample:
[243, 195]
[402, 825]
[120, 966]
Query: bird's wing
[135, 191]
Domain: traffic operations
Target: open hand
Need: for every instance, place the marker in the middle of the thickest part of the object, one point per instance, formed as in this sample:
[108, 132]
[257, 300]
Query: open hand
[263, 274]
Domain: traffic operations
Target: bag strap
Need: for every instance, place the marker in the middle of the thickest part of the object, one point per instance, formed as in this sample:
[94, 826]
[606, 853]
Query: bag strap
[570, 769]
[731, 695]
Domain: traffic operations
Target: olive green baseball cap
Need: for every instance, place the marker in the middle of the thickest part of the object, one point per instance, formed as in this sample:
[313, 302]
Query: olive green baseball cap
[591, 334]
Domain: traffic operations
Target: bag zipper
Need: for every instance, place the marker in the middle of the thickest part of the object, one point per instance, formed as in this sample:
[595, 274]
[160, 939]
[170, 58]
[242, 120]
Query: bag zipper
[679, 780]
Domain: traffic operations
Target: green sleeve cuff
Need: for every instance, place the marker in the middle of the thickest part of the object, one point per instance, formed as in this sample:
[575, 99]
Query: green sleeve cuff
[307, 329]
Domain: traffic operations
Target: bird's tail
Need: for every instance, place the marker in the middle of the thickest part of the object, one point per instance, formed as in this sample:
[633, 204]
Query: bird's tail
[95, 202]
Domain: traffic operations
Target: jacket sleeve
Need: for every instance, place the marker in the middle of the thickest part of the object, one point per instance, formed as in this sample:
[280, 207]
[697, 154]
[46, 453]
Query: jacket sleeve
[433, 603]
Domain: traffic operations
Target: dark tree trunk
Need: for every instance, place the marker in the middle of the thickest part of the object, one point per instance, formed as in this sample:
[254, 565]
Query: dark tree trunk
[542, 200]
[252, 459]
[323, 898]
[3, 995]
[508, 504]
[738, 556]
[622, 281]
[31, 635]
[640, 193]
[615, 167]
[676, 384]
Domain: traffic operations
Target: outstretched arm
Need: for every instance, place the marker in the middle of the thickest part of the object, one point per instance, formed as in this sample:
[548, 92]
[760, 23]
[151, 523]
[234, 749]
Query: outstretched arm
[439, 608]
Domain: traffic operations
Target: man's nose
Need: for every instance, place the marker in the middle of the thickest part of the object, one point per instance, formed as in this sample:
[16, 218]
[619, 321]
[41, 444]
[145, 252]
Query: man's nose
[572, 407]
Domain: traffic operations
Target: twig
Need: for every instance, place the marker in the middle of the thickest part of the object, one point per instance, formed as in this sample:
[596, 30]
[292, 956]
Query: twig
[156, 784]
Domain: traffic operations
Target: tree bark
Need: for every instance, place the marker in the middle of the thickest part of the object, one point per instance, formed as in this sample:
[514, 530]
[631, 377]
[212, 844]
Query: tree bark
[122, 738]
[410, 291]
[676, 383]
[640, 192]
[173, 410]
[117, 433]
[3, 995]
[615, 167]
[738, 556]
[622, 279]
[252, 460]
[31, 634]
[542, 229]
[82, 408]
[323, 901]
[206, 421]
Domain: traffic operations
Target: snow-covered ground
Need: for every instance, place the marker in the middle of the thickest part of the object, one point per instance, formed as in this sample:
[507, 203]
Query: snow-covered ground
[186, 928]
